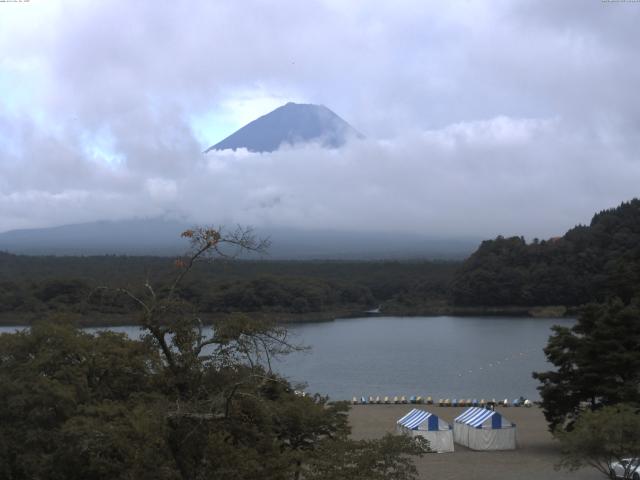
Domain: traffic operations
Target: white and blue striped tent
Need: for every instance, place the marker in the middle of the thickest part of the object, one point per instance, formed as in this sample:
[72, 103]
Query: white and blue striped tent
[483, 429]
[431, 427]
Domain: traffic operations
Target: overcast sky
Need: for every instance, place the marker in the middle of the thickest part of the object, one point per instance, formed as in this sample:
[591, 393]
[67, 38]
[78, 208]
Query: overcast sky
[481, 118]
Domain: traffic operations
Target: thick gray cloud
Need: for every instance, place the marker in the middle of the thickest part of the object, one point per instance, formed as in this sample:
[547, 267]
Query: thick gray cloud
[481, 117]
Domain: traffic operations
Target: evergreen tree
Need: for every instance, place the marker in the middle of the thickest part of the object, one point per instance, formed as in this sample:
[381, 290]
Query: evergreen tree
[597, 362]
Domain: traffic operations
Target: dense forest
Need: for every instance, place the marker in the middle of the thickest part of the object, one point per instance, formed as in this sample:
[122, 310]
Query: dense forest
[589, 263]
[32, 286]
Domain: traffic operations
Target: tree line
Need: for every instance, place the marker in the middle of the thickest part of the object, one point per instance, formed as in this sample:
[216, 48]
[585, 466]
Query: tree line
[589, 263]
[33, 286]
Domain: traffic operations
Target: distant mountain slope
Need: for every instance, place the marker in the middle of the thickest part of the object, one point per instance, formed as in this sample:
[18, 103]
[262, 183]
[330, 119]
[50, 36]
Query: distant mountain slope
[162, 237]
[589, 263]
[154, 236]
[290, 124]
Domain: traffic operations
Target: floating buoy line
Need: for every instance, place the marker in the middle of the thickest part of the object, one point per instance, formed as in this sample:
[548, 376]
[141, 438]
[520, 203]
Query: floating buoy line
[451, 402]
[498, 363]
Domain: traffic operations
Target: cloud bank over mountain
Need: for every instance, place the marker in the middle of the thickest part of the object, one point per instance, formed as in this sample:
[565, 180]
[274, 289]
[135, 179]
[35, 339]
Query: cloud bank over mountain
[481, 118]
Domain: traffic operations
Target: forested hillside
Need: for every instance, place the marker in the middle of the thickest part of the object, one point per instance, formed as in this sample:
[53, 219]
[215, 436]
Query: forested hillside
[589, 263]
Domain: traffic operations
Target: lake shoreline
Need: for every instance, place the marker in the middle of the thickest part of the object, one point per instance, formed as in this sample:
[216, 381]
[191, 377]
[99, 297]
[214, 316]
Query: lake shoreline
[11, 319]
[438, 356]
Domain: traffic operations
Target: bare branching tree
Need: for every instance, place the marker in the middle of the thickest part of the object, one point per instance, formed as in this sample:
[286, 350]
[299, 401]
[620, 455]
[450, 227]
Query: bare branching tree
[177, 329]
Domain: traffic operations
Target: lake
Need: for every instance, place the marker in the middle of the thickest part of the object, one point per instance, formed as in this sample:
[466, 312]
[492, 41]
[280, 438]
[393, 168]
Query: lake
[444, 357]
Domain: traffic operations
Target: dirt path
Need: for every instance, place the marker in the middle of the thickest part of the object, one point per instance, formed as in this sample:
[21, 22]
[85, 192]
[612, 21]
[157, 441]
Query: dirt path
[534, 459]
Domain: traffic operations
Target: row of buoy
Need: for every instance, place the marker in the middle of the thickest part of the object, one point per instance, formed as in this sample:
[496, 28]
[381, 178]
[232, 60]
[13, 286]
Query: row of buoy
[517, 402]
[497, 363]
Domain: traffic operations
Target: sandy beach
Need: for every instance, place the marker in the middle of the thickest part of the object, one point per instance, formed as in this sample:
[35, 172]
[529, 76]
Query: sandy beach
[534, 459]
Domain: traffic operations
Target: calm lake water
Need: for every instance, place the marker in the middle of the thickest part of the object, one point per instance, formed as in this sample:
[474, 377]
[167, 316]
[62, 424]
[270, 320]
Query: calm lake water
[444, 357]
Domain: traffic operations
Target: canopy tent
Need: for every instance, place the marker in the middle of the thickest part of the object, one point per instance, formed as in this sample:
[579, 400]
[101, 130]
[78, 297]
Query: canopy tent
[482, 429]
[432, 428]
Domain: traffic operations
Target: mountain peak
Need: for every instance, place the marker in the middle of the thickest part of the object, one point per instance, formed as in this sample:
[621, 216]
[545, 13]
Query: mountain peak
[291, 123]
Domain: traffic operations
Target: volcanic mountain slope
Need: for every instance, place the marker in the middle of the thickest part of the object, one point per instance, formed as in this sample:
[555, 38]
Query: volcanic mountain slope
[292, 124]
